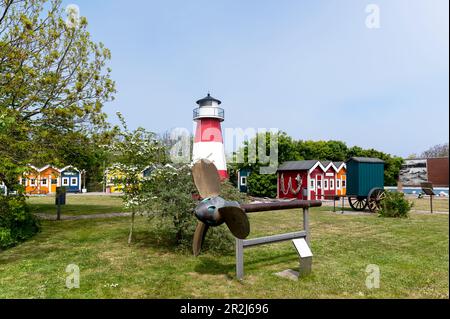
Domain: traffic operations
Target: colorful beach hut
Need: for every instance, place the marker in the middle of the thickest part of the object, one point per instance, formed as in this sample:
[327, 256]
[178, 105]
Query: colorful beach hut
[70, 179]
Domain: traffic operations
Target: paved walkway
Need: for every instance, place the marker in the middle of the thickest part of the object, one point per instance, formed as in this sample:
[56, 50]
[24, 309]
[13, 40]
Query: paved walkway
[78, 217]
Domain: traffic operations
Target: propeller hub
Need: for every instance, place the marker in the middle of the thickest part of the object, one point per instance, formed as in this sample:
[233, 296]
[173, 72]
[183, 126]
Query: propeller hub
[207, 211]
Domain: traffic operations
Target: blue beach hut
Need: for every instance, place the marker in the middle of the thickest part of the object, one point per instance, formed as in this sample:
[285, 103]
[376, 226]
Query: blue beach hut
[71, 179]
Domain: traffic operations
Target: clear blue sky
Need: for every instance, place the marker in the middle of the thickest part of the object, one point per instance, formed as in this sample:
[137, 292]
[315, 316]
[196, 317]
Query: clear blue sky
[310, 68]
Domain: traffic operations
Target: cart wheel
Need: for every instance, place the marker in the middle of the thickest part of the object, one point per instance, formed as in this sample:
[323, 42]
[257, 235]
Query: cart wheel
[375, 198]
[358, 203]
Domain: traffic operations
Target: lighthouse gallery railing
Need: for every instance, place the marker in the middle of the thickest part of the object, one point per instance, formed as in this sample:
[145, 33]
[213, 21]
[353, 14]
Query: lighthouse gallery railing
[209, 112]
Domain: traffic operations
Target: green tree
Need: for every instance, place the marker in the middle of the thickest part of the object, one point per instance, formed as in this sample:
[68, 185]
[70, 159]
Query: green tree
[263, 185]
[392, 165]
[132, 152]
[53, 82]
[260, 185]
[292, 150]
[440, 150]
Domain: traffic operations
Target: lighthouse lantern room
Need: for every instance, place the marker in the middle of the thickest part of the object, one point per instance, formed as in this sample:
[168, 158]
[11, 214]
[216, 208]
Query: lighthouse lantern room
[208, 142]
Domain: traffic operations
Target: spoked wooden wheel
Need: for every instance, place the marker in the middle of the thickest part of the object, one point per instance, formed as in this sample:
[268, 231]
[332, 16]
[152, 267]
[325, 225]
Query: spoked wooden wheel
[375, 198]
[358, 203]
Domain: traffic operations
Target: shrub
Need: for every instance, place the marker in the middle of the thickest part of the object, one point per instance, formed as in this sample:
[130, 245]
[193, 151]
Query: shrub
[262, 185]
[17, 224]
[169, 199]
[395, 205]
[230, 192]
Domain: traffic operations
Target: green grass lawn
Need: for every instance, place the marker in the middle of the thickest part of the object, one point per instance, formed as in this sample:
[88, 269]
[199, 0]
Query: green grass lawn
[88, 204]
[78, 205]
[412, 255]
[439, 204]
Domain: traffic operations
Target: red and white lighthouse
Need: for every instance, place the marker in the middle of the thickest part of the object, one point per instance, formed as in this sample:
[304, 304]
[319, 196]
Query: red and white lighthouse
[208, 143]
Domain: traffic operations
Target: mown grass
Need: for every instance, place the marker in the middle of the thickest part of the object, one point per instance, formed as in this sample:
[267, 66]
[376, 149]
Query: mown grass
[440, 204]
[77, 205]
[423, 204]
[89, 204]
[412, 255]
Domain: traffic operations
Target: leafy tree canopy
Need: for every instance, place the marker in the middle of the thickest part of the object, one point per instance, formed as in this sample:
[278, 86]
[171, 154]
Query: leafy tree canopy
[53, 84]
[290, 149]
[440, 150]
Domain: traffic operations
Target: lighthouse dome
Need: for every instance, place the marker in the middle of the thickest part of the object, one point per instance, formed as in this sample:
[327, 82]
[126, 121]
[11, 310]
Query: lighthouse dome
[209, 109]
[208, 101]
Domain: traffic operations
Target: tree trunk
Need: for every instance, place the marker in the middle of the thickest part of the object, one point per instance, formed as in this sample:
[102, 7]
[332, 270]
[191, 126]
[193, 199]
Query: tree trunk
[130, 237]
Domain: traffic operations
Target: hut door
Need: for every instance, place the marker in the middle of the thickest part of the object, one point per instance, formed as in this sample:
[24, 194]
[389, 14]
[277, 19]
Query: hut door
[319, 186]
[54, 183]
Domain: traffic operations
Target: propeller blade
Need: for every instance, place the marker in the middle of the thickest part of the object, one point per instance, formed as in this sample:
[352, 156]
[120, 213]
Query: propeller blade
[206, 178]
[199, 237]
[236, 220]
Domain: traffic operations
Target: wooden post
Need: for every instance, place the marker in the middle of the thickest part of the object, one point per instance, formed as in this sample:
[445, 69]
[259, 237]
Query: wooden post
[58, 211]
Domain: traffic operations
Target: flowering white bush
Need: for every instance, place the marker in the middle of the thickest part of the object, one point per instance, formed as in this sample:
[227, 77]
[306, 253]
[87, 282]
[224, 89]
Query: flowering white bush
[167, 194]
[133, 152]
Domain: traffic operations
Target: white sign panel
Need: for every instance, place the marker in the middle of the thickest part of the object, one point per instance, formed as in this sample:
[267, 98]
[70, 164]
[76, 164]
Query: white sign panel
[302, 248]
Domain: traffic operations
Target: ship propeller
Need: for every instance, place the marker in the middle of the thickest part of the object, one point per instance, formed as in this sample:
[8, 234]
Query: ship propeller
[213, 210]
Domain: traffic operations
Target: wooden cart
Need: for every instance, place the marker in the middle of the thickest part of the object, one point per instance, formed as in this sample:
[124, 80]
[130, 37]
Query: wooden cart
[365, 183]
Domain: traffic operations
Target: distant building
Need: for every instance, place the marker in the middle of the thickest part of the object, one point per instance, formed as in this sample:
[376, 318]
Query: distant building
[242, 181]
[3, 189]
[113, 178]
[71, 179]
[40, 181]
[311, 180]
[417, 171]
[147, 172]
[341, 178]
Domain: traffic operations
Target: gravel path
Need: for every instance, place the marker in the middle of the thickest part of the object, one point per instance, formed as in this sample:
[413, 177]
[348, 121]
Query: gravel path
[92, 216]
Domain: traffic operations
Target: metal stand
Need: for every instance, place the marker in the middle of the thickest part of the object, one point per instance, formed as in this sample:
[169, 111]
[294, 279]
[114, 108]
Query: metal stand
[58, 212]
[305, 265]
[431, 203]
[305, 255]
[427, 188]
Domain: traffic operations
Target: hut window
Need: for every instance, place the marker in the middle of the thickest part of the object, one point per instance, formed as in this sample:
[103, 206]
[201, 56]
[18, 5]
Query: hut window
[65, 181]
[74, 181]
[332, 184]
[44, 182]
[325, 184]
[33, 182]
[343, 183]
[24, 181]
[313, 186]
[244, 181]
[338, 184]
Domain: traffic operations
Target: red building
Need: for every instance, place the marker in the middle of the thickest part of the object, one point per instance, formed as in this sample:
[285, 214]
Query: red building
[438, 171]
[309, 180]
